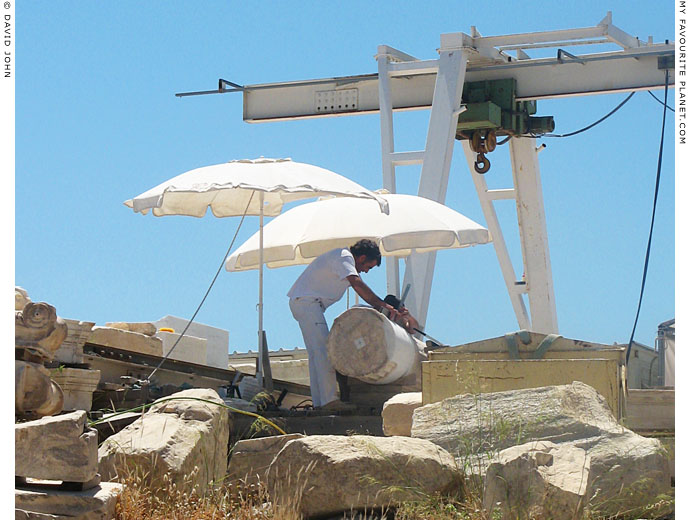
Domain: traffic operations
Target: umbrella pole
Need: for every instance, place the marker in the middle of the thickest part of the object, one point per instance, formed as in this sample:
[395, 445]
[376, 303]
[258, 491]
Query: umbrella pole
[263, 372]
[260, 368]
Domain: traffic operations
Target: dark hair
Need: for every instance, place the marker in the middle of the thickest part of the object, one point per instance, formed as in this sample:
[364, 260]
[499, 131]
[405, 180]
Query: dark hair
[368, 248]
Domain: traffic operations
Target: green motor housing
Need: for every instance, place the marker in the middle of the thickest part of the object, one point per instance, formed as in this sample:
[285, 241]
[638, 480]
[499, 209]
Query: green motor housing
[492, 105]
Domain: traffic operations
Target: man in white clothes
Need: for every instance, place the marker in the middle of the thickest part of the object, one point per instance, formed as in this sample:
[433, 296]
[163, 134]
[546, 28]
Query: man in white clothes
[322, 284]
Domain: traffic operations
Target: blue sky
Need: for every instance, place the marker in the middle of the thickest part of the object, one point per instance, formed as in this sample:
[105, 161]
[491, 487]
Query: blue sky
[97, 123]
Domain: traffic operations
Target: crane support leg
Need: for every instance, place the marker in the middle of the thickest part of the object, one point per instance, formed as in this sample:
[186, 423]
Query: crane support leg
[433, 182]
[533, 237]
[387, 151]
[486, 198]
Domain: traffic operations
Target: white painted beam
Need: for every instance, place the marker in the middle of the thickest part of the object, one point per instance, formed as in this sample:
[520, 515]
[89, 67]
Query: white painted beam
[407, 158]
[543, 78]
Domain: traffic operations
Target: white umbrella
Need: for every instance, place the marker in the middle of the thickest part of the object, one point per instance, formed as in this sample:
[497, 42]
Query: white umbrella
[229, 189]
[226, 188]
[303, 233]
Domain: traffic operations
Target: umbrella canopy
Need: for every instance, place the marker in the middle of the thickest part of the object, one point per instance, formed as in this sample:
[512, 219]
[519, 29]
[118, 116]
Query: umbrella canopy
[412, 224]
[226, 188]
[229, 189]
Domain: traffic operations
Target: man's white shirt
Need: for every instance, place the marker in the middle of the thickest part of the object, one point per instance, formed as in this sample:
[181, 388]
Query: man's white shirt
[326, 277]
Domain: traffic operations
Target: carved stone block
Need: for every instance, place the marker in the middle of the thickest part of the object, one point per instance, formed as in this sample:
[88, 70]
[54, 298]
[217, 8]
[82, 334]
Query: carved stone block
[56, 448]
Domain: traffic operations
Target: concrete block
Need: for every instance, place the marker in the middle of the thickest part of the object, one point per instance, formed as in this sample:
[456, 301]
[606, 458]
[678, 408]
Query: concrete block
[189, 348]
[293, 370]
[217, 339]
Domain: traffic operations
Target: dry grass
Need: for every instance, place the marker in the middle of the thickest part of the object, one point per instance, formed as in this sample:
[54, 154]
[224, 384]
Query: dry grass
[139, 501]
[169, 500]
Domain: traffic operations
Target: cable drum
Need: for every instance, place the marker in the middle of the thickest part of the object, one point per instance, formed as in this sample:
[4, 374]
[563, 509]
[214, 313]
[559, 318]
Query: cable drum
[366, 345]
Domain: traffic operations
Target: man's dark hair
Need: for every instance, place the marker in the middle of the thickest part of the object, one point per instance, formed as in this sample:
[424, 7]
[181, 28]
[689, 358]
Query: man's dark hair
[368, 248]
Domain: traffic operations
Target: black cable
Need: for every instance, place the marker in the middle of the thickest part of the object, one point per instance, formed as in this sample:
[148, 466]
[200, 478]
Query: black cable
[651, 94]
[207, 291]
[593, 124]
[651, 227]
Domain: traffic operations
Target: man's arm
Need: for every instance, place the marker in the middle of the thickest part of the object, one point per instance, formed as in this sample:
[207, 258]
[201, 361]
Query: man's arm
[368, 296]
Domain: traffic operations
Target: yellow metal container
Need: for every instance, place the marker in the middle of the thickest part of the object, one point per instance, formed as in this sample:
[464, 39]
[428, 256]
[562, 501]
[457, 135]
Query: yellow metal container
[495, 365]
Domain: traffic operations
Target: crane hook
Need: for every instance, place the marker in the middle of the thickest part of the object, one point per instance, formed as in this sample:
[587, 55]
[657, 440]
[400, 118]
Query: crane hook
[481, 164]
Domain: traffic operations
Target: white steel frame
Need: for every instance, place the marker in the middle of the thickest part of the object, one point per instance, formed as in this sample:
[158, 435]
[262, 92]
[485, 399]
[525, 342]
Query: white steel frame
[405, 83]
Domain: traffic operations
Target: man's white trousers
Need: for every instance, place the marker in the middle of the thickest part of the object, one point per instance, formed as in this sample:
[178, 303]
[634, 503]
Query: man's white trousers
[309, 314]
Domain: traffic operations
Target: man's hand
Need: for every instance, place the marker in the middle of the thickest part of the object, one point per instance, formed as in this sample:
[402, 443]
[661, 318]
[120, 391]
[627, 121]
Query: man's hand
[402, 317]
[390, 311]
[406, 320]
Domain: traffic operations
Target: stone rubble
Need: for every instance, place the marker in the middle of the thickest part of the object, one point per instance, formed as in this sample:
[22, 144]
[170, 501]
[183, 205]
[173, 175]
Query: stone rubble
[47, 504]
[550, 453]
[187, 439]
[538, 480]
[148, 329]
[323, 475]
[626, 469]
[397, 413]
[126, 340]
[56, 448]
[251, 458]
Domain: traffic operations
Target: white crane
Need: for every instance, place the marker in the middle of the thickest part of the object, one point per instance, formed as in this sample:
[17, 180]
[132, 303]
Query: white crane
[404, 82]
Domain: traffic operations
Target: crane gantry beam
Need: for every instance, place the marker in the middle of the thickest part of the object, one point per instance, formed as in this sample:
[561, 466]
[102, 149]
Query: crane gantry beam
[544, 78]
[633, 66]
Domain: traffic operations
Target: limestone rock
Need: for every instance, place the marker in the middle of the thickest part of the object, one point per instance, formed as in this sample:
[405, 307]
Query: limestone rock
[37, 328]
[624, 468]
[627, 471]
[93, 504]
[327, 474]
[538, 480]
[397, 413]
[72, 349]
[78, 386]
[21, 298]
[56, 448]
[251, 458]
[35, 394]
[186, 438]
[148, 329]
[125, 340]
[467, 424]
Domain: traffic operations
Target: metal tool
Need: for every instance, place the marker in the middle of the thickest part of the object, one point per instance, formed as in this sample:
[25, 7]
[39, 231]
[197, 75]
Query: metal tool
[404, 294]
[431, 343]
